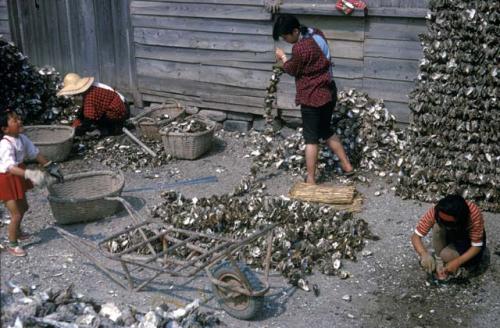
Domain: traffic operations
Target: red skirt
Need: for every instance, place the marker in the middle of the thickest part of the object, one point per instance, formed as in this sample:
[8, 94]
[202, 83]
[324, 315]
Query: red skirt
[13, 187]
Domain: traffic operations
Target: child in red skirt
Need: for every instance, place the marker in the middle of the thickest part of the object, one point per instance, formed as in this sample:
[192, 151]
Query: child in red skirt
[15, 179]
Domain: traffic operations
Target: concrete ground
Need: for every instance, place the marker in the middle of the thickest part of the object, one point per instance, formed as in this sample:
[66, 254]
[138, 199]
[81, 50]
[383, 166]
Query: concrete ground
[387, 288]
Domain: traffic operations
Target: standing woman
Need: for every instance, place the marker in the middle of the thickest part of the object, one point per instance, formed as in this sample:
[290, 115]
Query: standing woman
[316, 91]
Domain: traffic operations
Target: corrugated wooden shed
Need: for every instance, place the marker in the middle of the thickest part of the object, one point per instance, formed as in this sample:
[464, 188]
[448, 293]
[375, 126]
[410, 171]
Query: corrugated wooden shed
[218, 54]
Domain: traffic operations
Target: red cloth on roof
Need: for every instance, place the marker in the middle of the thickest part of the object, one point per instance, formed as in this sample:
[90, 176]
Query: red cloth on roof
[310, 68]
[100, 103]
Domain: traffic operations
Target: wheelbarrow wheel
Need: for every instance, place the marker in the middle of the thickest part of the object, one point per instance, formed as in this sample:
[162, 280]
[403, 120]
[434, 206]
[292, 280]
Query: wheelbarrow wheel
[237, 305]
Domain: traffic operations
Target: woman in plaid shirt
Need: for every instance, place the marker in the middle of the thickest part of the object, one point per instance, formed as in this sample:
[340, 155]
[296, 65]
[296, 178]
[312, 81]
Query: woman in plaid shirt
[102, 106]
[316, 91]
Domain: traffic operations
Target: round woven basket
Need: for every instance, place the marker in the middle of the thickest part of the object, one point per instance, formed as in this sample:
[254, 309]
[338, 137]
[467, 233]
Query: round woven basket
[189, 145]
[150, 122]
[53, 141]
[81, 198]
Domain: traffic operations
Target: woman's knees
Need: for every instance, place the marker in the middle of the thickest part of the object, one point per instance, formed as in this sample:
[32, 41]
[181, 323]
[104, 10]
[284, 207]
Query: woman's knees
[448, 254]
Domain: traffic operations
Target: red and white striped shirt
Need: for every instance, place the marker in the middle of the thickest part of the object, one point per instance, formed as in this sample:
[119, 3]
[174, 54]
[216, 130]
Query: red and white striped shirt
[475, 228]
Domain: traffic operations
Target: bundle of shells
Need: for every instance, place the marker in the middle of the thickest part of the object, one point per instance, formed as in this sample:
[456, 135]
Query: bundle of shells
[454, 139]
[119, 152]
[65, 308]
[308, 235]
[29, 90]
[367, 130]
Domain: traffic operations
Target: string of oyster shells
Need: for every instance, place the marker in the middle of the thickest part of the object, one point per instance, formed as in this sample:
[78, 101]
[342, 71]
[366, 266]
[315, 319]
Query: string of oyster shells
[22, 307]
[309, 234]
[454, 138]
[119, 152]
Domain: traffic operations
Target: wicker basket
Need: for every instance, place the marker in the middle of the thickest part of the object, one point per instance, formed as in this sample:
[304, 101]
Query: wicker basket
[189, 145]
[53, 141]
[81, 198]
[148, 123]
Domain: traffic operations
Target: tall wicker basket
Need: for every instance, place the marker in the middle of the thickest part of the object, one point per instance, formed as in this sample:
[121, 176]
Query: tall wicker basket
[53, 141]
[150, 122]
[189, 145]
[81, 198]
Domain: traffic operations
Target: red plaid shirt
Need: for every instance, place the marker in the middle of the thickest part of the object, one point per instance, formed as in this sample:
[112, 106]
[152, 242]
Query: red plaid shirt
[310, 68]
[100, 103]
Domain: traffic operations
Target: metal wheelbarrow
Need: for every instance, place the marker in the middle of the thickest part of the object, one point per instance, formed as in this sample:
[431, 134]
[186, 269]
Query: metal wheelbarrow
[183, 253]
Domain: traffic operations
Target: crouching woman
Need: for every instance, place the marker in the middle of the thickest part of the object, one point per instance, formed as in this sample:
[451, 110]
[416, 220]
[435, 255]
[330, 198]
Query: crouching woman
[458, 237]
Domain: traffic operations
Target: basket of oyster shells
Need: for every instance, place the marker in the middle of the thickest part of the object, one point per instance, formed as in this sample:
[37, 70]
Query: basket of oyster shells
[188, 138]
[151, 120]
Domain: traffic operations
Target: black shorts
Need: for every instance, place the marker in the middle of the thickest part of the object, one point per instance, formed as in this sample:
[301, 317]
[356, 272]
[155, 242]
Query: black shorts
[316, 121]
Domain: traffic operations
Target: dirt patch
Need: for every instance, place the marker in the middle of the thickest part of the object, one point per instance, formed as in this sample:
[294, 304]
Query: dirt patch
[387, 288]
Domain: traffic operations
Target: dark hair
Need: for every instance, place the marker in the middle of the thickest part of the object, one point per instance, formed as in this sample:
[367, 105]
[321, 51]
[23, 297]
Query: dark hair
[285, 24]
[4, 120]
[455, 206]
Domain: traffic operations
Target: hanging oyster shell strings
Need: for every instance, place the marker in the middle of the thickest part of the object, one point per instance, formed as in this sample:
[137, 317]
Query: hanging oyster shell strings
[454, 138]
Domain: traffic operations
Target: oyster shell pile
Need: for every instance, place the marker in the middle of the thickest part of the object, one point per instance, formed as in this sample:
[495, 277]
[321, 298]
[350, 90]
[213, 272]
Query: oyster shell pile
[65, 308]
[119, 152]
[309, 234]
[454, 139]
[29, 90]
[368, 131]
[187, 124]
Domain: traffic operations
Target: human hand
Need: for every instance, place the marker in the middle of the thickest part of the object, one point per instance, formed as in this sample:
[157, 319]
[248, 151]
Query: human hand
[37, 177]
[452, 266]
[428, 263]
[280, 54]
[54, 170]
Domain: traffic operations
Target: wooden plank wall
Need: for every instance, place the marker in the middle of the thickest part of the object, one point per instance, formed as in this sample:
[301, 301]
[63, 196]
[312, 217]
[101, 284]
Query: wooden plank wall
[4, 20]
[90, 37]
[215, 54]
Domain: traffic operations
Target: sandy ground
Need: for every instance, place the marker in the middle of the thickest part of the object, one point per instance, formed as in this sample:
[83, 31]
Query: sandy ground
[387, 288]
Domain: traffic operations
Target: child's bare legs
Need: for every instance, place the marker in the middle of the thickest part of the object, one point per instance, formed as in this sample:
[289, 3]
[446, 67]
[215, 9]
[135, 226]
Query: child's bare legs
[311, 161]
[336, 146]
[17, 208]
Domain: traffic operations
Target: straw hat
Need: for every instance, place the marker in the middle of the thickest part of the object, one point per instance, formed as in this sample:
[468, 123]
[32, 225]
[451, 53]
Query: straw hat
[74, 84]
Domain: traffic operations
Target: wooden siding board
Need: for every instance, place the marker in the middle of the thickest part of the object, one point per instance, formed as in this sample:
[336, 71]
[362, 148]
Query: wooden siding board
[327, 9]
[393, 49]
[203, 24]
[254, 3]
[397, 12]
[200, 10]
[105, 41]
[4, 13]
[391, 69]
[339, 28]
[182, 86]
[123, 46]
[83, 32]
[4, 26]
[151, 97]
[388, 89]
[211, 74]
[399, 109]
[203, 40]
[346, 49]
[389, 28]
[205, 56]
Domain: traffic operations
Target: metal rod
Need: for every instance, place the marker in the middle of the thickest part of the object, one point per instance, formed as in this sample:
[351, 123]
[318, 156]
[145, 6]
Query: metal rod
[137, 141]
[267, 263]
[90, 257]
[129, 277]
[132, 214]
